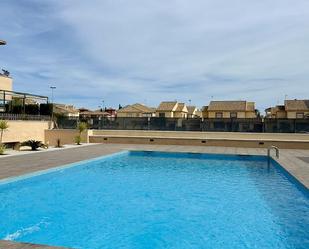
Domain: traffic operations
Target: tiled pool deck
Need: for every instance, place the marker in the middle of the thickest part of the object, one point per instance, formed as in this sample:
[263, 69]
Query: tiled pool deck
[296, 162]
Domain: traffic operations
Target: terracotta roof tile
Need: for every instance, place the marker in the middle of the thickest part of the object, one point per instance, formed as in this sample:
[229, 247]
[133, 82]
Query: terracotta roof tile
[231, 106]
[167, 106]
[296, 105]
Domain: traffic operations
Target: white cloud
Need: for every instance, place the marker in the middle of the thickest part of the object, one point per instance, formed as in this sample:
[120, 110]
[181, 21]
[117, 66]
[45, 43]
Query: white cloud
[137, 50]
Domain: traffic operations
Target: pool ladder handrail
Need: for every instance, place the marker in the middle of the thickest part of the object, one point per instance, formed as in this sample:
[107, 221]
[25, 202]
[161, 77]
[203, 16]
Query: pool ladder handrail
[275, 148]
[268, 154]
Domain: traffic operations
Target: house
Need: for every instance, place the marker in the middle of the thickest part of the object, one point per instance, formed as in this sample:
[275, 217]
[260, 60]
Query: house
[6, 82]
[88, 114]
[204, 112]
[111, 111]
[136, 110]
[193, 112]
[292, 109]
[66, 110]
[276, 112]
[230, 109]
[181, 111]
[297, 108]
[172, 109]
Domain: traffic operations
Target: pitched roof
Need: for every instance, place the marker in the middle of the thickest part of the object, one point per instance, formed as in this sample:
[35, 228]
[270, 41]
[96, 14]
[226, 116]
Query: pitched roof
[296, 105]
[239, 105]
[167, 106]
[139, 108]
[65, 109]
[181, 107]
[191, 109]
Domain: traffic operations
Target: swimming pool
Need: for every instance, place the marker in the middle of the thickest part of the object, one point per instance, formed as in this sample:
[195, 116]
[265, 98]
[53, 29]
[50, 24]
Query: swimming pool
[158, 200]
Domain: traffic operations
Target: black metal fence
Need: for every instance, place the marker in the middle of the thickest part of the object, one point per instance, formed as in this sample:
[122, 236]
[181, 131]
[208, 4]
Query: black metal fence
[193, 124]
[9, 116]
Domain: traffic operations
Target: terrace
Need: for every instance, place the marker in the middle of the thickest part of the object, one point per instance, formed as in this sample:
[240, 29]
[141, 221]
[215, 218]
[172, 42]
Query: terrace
[23, 106]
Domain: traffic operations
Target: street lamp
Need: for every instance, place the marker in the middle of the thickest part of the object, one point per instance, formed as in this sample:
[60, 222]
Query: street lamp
[52, 89]
[52, 99]
[2, 42]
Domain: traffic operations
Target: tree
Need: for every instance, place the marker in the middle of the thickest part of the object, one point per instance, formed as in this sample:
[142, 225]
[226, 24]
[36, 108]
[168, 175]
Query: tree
[82, 126]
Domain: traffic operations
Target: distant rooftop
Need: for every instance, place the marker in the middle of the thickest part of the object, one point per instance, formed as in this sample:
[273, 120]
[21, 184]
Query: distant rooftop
[296, 105]
[238, 105]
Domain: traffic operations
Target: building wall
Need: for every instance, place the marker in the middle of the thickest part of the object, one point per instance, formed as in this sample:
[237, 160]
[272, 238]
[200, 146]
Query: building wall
[292, 115]
[180, 115]
[66, 136]
[167, 114]
[250, 115]
[281, 114]
[134, 114]
[235, 139]
[128, 114]
[21, 130]
[212, 114]
[6, 83]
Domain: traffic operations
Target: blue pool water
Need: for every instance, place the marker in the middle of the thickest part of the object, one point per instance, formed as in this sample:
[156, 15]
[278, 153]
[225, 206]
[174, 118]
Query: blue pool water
[159, 200]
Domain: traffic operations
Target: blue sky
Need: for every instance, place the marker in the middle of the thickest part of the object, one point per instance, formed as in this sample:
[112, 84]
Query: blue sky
[145, 51]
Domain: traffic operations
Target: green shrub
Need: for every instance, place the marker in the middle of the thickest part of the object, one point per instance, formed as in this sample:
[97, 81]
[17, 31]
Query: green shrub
[33, 144]
[3, 127]
[78, 139]
[2, 149]
[80, 127]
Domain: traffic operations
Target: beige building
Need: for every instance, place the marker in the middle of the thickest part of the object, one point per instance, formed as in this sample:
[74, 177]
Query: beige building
[6, 83]
[297, 108]
[204, 112]
[193, 112]
[88, 114]
[292, 109]
[172, 109]
[66, 110]
[276, 112]
[230, 109]
[136, 110]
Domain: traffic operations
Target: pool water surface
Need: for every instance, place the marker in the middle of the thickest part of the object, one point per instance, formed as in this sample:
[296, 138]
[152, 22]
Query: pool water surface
[159, 200]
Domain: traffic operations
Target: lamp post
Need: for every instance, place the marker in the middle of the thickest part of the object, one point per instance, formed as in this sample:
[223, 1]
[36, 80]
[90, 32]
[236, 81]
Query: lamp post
[2, 42]
[52, 90]
[52, 100]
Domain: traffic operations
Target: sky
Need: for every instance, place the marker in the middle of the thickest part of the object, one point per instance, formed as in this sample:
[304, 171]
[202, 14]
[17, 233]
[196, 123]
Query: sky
[123, 52]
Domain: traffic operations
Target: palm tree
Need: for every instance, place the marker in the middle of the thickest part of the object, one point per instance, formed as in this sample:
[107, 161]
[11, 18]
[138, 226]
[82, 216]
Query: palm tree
[3, 127]
[81, 127]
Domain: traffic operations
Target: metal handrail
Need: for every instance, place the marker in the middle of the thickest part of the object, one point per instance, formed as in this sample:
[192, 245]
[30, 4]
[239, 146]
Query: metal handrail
[268, 154]
[273, 147]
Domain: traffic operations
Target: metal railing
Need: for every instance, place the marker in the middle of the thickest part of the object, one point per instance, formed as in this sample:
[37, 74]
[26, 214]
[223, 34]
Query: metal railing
[9, 116]
[192, 124]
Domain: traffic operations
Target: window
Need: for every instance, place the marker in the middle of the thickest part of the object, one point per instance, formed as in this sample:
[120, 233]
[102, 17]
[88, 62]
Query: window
[233, 115]
[219, 115]
[299, 115]
[162, 115]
